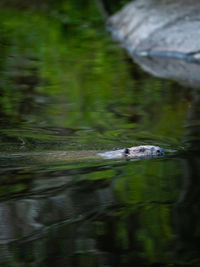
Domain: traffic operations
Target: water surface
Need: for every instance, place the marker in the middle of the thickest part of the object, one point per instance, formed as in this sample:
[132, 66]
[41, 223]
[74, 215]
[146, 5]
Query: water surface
[66, 86]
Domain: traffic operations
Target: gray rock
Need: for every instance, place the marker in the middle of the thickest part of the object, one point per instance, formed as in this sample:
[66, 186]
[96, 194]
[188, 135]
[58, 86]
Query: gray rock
[156, 31]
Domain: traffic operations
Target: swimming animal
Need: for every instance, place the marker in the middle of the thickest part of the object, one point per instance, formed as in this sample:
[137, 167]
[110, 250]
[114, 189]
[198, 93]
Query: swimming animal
[135, 152]
[131, 153]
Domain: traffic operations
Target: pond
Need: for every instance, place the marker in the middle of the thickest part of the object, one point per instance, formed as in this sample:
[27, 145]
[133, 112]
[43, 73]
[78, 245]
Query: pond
[68, 90]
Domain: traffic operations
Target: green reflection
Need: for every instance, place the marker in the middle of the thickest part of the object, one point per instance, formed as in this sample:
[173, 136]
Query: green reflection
[60, 69]
[66, 86]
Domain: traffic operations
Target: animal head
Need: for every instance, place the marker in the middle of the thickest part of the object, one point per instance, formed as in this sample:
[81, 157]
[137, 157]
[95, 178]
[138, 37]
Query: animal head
[143, 152]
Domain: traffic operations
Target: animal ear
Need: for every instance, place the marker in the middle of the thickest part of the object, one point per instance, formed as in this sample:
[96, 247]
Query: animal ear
[126, 151]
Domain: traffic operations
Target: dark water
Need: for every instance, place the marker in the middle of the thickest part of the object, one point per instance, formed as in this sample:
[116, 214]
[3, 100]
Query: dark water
[66, 86]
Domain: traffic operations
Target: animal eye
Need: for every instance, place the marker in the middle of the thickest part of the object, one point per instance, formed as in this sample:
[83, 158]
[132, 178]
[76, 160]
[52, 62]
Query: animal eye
[126, 151]
[142, 150]
[158, 151]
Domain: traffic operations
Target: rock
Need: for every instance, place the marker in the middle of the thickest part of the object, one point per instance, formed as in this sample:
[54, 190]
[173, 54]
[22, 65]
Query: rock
[155, 31]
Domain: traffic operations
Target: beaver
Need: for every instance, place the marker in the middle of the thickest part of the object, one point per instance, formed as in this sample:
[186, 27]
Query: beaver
[137, 152]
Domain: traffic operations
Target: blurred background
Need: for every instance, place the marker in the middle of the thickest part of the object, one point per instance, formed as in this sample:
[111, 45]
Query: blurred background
[65, 86]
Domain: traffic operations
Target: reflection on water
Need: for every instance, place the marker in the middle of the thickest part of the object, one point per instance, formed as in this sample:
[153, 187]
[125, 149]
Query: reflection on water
[72, 89]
